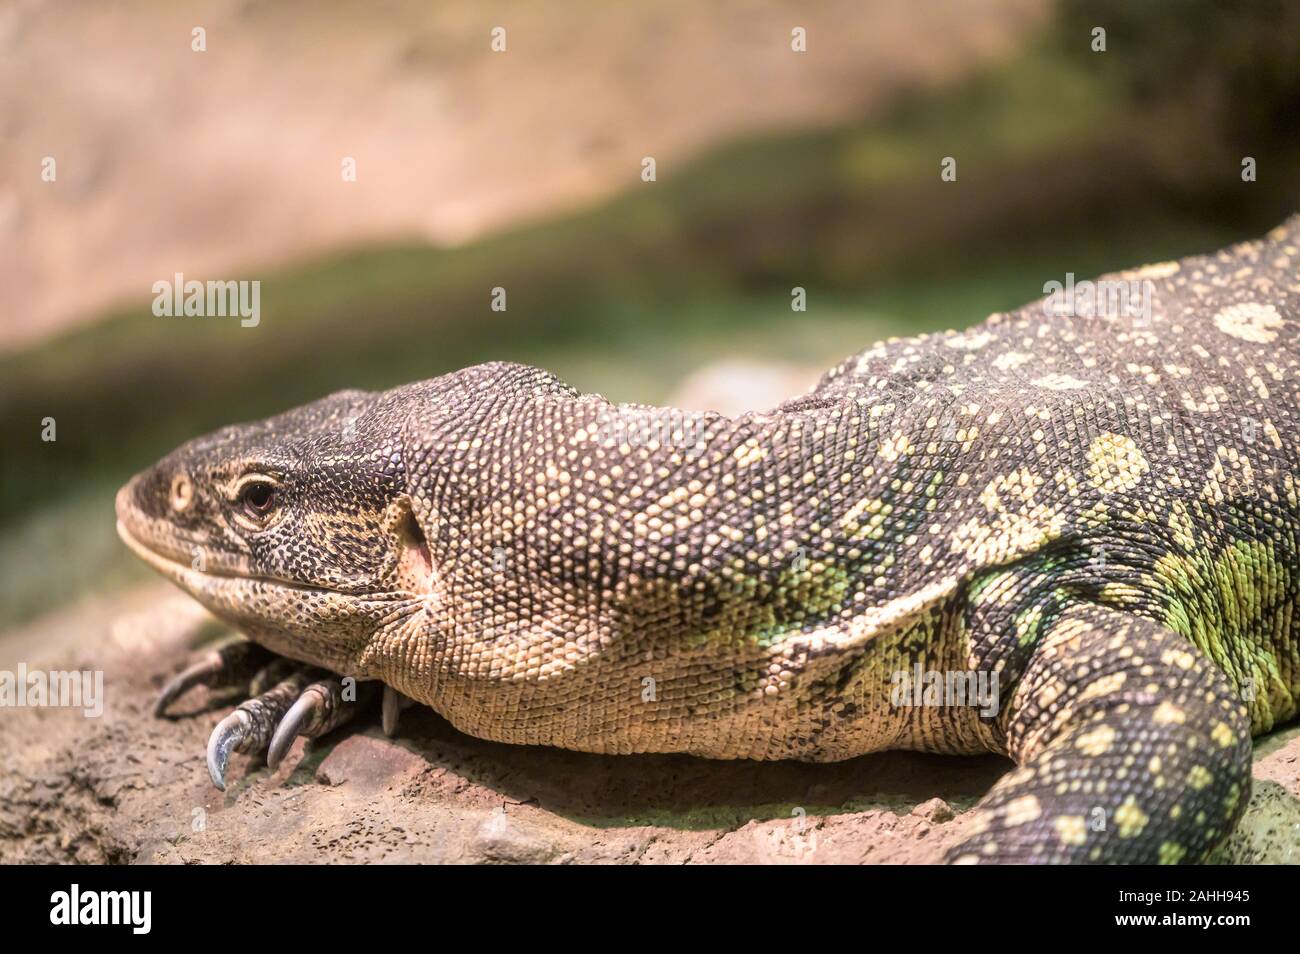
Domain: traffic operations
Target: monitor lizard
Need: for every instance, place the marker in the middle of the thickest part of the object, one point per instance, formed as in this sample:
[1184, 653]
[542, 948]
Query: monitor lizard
[1087, 507]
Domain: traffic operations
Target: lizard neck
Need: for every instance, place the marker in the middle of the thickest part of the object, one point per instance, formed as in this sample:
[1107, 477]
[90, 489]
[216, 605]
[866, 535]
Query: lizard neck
[699, 546]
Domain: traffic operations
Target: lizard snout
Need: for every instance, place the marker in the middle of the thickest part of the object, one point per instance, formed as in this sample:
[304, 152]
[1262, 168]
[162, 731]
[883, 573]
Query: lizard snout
[156, 514]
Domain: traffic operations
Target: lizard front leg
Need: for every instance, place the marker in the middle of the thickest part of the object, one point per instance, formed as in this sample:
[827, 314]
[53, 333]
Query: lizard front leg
[287, 700]
[1132, 748]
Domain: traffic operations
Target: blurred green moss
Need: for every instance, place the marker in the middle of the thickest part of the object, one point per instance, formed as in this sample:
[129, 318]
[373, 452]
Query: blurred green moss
[1229, 69]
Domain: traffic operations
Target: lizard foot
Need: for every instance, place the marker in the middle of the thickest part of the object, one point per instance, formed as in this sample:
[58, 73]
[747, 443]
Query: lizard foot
[250, 727]
[306, 702]
[285, 700]
[1133, 748]
[322, 708]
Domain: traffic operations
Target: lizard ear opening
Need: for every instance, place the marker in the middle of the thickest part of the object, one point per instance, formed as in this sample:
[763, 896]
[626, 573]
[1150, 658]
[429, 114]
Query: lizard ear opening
[414, 563]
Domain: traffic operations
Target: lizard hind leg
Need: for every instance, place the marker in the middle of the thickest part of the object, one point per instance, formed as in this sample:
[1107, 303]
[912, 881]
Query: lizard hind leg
[1131, 746]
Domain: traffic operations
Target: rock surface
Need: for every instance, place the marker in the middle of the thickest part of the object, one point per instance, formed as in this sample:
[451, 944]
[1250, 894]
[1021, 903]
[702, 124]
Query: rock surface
[126, 787]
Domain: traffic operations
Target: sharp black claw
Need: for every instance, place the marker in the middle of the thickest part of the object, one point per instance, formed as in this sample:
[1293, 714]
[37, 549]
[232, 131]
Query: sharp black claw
[202, 671]
[301, 715]
[229, 732]
[233, 663]
[290, 708]
[391, 710]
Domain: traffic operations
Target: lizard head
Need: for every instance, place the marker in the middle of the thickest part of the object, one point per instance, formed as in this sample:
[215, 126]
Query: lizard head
[296, 529]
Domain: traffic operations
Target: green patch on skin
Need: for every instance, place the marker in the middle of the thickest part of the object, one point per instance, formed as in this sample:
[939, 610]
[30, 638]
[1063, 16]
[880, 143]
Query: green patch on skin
[811, 591]
[753, 612]
[1028, 625]
[1226, 602]
[932, 488]
[989, 586]
[799, 596]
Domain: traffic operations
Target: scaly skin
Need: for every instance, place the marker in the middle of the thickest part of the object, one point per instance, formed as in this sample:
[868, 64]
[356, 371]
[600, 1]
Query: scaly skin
[1101, 510]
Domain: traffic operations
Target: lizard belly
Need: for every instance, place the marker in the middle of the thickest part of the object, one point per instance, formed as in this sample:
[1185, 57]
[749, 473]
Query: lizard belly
[896, 677]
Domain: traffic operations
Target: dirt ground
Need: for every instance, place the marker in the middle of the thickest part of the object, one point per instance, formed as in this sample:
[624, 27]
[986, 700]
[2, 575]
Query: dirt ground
[129, 788]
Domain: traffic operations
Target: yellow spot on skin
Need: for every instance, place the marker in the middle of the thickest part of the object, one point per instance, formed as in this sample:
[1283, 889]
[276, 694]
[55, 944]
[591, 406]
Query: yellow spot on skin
[1169, 714]
[749, 453]
[1155, 270]
[872, 505]
[969, 342]
[1018, 486]
[1171, 853]
[1060, 382]
[1223, 735]
[1178, 657]
[1012, 359]
[1071, 829]
[1049, 693]
[1115, 463]
[1130, 818]
[1097, 742]
[1199, 777]
[1249, 321]
[895, 447]
[1027, 625]
[1104, 686]
[1020, 811]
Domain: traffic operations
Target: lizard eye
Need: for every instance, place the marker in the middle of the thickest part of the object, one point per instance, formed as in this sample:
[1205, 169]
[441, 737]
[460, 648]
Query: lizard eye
[257, 499]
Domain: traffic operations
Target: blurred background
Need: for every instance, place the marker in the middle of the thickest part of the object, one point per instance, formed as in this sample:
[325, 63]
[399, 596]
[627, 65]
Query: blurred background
[523, 169]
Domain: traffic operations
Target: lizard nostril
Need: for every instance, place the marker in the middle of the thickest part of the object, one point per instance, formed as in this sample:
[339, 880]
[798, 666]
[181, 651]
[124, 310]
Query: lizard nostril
[182, 492]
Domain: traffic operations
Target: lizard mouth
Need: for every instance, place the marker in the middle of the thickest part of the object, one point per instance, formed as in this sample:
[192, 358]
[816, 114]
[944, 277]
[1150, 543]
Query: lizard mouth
[286, 615]
[183, 562]
[186, 562]
[198, 581]
[217, 583]
[187, 575]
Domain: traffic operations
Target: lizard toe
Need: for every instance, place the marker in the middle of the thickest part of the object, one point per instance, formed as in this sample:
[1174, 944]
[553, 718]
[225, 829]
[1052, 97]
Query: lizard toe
[391, 710]
[249, 728]
[231, 664]
[202, 672]
[225, 738]
[322, 707]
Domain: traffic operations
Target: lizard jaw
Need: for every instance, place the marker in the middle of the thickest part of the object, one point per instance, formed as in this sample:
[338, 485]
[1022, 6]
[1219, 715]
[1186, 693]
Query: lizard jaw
[313, 625]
